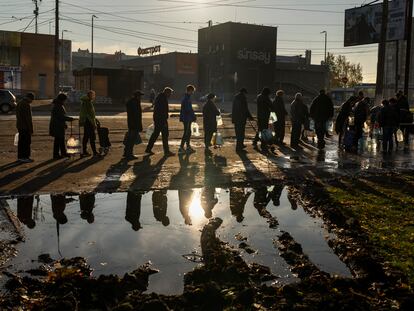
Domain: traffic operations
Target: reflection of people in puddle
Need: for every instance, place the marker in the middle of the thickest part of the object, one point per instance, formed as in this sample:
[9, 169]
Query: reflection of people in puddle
[58, 208]
[276, 193]
[87, 204]
[208, 200]
[261, 198]
[133, 209]
[159, 206]
[185, 196]
[238, 200]
[293, 203]
[25, 211]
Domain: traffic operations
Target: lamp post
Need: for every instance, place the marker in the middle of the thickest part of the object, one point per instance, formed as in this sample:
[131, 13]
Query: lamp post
[326, 43]
[91, 73]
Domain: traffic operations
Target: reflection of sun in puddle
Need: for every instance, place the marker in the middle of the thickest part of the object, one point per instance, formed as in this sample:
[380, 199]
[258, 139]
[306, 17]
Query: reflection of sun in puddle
[196, 212]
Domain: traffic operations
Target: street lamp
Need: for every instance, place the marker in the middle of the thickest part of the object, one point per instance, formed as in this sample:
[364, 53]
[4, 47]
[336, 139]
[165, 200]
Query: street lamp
[326, 42]
[91, 73]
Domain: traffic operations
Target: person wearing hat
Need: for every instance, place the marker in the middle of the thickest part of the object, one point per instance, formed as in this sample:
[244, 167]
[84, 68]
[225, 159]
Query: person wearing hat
[24, 125]
[57, 126]
[240, 114]
[210, 113]
[134, 115]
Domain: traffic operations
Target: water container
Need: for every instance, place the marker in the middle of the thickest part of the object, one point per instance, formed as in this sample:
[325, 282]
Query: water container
[219, 120]
[149, 131]
[195, 129]
[73, 145]
[16, 139]
[272, 118]
[219, 139]
[400, 136]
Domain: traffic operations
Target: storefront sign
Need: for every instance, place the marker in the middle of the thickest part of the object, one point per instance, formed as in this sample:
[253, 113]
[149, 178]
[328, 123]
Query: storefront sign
[10, 68]
[245, 54]
[151, 50]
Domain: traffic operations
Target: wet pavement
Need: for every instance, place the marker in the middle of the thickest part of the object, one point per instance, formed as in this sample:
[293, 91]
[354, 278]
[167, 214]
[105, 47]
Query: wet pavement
[118, 232]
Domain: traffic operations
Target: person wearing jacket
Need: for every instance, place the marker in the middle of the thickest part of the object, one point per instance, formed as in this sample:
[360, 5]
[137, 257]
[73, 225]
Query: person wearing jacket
[160, 118]
[405, 117]
[24, 125]
[361, 111]
[210, 113]
[281, 113]
[299, 115]
[240, 114]
[321, 111]
[388, 120]
[187, 116]
[263, 113]
[342, 117]
[134, 116]
[87, 119]
[57, 126]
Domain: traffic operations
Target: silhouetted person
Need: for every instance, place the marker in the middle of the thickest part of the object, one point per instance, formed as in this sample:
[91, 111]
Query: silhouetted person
[210, 113]
[208, 200]
[24, 125]
[187, 116]
[240, 114]
[87, 119]
[160, 117]
[264, 104]
[276, 193]
[133, 209]
[185, 197]
[87, 204]
[159, 206]
[321, 111]
[299, 116]
[292, 200]
[342, 117]
[261, 198]
[134, 116]
[152, 97]
[238, 200]
[58, 208]
[405, 117]
[57, 126]
[388, 120]
[25, 211]
[281, 113]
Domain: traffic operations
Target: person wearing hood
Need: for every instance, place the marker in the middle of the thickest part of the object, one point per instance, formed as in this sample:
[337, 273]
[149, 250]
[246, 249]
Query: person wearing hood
[187, 116]
[210, 114]
[342, 118]
[263, 113]
[240, 114]
[321, 111]
[57, 126]
[24, 125]
[299, 115]
[281, 113]
[87, 119]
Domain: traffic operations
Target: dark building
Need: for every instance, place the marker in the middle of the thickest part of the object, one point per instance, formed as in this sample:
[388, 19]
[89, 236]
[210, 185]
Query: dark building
[234, 55]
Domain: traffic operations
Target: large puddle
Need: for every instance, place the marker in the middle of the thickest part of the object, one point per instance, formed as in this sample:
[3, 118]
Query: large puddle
[121, 231]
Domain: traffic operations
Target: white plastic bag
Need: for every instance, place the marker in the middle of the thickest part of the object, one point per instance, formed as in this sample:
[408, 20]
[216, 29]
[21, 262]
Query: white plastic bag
[219, 120]
[400, 136]
[149, 131]
[16, 139]
[73, 145]
[272, 118]
[195, 129]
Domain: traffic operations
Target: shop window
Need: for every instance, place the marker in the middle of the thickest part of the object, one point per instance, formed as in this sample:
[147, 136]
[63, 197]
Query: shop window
[156, 69]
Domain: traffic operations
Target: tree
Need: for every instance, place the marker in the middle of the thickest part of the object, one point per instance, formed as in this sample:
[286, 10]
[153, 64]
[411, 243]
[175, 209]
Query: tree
[343, 73]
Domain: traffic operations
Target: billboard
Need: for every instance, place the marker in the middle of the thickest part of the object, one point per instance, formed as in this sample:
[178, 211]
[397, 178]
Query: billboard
[363, 24]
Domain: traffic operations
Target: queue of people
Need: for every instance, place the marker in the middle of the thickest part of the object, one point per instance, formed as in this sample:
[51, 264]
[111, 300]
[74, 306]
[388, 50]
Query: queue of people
[350, 122]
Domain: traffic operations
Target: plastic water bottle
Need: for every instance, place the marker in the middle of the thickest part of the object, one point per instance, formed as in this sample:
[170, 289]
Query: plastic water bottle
[219, 120]
[195, 129]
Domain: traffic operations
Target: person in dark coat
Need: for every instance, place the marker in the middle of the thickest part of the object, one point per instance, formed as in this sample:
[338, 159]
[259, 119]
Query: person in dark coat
[87, 204]
[134, 115]
[159, 206]
[405, 117]
[281, 113]
[187, 117]
[240, 114]
[58, 208]
[152, 97]
[160, 118]
[57, 126]
[24, 125]
[361, 111]
[321, 111]
[210, 113]
[264, 104]
[133, 209]
[299, 115]
[25, 211]
[342, 117]
[388, 120]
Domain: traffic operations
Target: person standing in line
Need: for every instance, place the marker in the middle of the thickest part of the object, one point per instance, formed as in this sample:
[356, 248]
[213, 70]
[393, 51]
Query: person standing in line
[160, 118]
[210, 113]
[361, 111]
[263, 113]
[134, 116]
[388, 120]
[24, 125]
[299, 114]
[321, 111]
[342, 118]
[281, 113]
[240, 114]
[405, 117]
[187, 116]
[57, 126]
[87, 119]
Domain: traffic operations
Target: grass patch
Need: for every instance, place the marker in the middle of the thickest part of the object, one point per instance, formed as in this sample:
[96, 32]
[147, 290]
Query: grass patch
[384, 207]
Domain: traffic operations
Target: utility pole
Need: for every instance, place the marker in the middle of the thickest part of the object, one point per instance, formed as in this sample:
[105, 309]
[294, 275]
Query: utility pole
[409, 30]
[379, 90]
[397, 65]
[56, 82]
[62, 69]
[91, 73]
[326, 43]
[36, 12]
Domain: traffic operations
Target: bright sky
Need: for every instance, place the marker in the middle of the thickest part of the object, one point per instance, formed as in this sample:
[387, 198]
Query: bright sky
[127, 24]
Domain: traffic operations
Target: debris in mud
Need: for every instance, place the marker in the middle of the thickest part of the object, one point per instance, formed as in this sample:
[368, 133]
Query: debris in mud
[240, 237]
[246, 247]
[45, 258]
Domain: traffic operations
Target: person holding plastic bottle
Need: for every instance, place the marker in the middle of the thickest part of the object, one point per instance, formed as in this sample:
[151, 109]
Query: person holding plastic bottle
[210, 114]
[187, 116]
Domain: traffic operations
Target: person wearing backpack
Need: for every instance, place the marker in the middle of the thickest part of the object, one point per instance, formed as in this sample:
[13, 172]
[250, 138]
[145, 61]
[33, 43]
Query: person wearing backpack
[210, 114]
[57, 126]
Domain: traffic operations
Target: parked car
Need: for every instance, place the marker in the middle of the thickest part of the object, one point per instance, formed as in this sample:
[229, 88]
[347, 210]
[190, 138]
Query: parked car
[7, 101]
